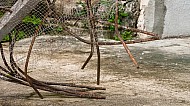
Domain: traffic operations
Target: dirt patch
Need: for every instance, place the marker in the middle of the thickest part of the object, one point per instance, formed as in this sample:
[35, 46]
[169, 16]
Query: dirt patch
[162, 80]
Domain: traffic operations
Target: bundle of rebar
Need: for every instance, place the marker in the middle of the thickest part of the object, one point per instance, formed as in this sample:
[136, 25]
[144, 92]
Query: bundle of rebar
[13, 73]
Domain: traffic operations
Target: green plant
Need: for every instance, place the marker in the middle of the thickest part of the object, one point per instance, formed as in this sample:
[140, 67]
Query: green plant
[19, 35]
[126, 35]
[1, 13]
[82, 11]
[56, 30]
[7, 38]
[32, 20]
[59, 29]
[28, 21]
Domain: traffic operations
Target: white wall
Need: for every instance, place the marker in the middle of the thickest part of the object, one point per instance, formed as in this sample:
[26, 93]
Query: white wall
[141, 21]
[177, 19]
[168, 18]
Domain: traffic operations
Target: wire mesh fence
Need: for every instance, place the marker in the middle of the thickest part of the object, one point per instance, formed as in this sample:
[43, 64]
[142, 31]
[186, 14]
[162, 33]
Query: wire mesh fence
[24, 23]
[73, 13]
[43, 19]
[53, 14]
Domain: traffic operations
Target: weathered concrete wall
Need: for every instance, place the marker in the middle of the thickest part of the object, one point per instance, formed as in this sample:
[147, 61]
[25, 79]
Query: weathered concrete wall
[141, 21]
[152, 16]
[168, 18]
[177, 19]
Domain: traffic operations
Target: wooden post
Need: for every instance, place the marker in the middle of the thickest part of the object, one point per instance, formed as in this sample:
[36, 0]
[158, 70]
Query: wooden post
[19, 10]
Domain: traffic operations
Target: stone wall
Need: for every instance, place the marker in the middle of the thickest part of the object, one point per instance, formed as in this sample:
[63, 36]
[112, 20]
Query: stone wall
[67, 6]
[131, 6]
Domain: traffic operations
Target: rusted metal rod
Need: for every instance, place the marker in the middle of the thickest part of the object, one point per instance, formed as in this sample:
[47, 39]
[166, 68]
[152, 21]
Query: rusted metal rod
[109, 43]
[93, 37]
[120, 38]
[89, 14]
[129, 28]
[47, 85]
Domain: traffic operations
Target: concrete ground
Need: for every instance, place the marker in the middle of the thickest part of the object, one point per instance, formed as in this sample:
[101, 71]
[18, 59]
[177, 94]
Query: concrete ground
[162, 80]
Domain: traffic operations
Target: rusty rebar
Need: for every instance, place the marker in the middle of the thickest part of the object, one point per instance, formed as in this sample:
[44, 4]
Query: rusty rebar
[47, 85]
[129, 28]
[107, 42]
[89, 14]
[93, 37]
[120, 38]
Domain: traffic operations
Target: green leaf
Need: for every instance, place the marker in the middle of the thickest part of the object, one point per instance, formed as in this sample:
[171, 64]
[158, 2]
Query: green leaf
[116, 38]
[32, 19]
[26, 19]
[113, 17]
[124, 14]
[21, 35]
[126, 35]
[112, 28]
[111, 20]
[6, 38]
[119, 21]
[59, 29]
